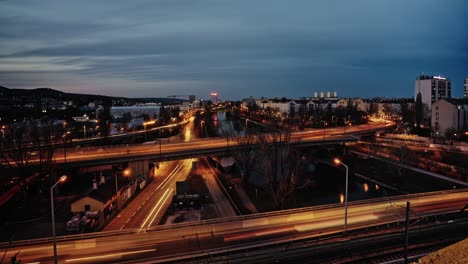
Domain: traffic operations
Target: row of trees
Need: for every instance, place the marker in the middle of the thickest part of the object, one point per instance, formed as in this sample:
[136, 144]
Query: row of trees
[22, 160]
[313, 117]
[271, 155]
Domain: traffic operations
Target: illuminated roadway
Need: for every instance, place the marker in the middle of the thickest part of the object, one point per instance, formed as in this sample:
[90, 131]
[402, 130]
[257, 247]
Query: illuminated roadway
[168, 150]
[187, 240]
[148, 207]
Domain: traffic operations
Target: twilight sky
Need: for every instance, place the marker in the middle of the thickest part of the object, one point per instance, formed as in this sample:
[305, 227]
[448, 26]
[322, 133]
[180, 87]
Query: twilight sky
[240, 48]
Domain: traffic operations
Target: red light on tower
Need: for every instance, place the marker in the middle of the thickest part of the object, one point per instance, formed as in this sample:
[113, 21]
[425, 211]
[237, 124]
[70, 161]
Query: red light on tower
[214, 97]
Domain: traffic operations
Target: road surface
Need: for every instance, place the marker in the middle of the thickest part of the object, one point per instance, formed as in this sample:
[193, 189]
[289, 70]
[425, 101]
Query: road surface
[220, 235]
[113, 152]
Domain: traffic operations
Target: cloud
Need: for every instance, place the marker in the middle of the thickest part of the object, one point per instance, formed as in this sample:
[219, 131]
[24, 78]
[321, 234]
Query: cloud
[241, 48]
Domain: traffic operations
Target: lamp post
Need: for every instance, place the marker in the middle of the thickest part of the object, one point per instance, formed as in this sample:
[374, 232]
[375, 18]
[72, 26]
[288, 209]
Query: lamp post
[3, 134]
[324, 125]
[61, 180]
[116, 191]
[160, 143]
[338, 162]
[202, 126]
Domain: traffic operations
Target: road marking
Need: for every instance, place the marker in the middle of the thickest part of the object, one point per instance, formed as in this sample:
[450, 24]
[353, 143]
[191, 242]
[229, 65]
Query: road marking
[165, 199]
[168, 177]
[154, 209]
[110, 255]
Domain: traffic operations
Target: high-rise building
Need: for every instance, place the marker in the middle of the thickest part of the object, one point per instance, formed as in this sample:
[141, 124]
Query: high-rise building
[466, 88]
[432, 89]
[325, 95]
[214, 98]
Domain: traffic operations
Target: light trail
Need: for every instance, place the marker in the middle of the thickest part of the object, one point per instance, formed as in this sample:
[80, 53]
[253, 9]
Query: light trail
[167, 180]
[101, 257]
[165, 197]
[154, 209]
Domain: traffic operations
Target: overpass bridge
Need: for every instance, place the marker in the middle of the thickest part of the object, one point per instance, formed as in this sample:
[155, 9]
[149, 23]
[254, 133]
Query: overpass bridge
[164, 150]
[307, 231]
[140, 156]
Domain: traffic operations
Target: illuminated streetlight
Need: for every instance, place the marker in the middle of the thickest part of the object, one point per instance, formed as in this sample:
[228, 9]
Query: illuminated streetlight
[324, 125]
[61, 180]
[148, 123]
[338, 162]
[3, 133]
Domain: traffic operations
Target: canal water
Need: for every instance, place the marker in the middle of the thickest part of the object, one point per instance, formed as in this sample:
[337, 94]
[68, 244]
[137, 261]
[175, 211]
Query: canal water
[325, 184]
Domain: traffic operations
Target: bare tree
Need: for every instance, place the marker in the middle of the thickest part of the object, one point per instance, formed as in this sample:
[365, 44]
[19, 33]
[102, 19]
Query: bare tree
[404, 156]
[46, 136]
[246, 157]
[15, 151]
[227, 131]
[278, 166]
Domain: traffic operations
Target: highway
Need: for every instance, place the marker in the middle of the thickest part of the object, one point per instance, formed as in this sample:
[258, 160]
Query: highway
[179, 241]
[112, 154]
[148, 208]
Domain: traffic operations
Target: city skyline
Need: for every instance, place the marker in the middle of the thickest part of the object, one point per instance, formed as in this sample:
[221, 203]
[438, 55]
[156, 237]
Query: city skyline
[240, 49]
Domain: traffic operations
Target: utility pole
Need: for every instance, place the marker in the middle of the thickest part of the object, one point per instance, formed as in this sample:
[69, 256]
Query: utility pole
[406, 230]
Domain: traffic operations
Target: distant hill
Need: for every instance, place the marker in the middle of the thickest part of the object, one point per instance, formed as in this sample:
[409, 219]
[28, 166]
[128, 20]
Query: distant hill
[162, 100]
[38, 93]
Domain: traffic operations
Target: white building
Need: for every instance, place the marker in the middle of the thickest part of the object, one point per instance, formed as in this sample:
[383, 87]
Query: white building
[283, 105]
[450, 113]
[150, 109]
[432, 89]
[360, 104]
[325, 95]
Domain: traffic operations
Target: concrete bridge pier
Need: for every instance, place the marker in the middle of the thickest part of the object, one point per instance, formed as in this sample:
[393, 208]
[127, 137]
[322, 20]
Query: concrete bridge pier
[139, 168]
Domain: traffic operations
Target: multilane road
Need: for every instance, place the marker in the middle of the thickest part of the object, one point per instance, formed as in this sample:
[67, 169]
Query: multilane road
[178, 241]
[148, 208]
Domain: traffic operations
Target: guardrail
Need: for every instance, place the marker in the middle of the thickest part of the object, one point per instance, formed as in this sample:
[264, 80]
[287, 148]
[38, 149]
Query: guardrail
[222, 220]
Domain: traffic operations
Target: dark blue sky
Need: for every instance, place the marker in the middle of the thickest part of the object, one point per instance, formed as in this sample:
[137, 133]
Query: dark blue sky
[241, 48]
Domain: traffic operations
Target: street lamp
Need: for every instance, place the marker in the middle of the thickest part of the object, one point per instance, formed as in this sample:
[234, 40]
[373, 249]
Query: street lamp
[3, 134]
[61, 180]
[203, 127]
[324, 126]
[148, 123]
[338, 162]
[126, 172]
